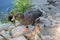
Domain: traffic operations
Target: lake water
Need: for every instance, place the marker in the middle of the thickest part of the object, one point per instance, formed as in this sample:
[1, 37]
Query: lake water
[6, 5]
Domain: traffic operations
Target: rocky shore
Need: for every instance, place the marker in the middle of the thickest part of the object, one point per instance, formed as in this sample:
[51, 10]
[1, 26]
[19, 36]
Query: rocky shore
[49, 24]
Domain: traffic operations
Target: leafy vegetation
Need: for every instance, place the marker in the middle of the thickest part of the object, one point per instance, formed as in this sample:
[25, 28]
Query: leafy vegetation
[22, 5]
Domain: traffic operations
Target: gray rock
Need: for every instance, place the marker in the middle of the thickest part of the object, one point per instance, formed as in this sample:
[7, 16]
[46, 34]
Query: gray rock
[6, 26]
[17, 31]
[19, 38]
[5, 34]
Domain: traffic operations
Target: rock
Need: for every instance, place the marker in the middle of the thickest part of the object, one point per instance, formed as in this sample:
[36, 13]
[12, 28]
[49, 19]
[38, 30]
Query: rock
[19, 38]
[39, 2]
[17, 31]
[42, 19]
[6, 26]
[17, 23]
[31, 28]
[5, 34]
[57, 15]
[48, 24]
[1, 38]
[52, 2]
[51, 11]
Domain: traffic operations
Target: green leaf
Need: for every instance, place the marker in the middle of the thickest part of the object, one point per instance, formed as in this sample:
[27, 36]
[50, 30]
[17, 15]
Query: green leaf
[22, 5]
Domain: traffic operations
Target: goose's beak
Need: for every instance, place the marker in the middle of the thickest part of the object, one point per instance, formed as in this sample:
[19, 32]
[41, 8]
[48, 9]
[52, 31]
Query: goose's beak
[13, 18]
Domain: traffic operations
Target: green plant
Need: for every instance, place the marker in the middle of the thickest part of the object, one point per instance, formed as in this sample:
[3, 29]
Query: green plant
[12, 12]
[22, 5]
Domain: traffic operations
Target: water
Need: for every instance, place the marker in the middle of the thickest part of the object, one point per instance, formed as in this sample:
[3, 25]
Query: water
[6, 5]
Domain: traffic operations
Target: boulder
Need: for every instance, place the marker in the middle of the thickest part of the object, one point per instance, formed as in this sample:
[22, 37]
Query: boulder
[6, 26]
[19, 38]
[5, 35]
[17, 31]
